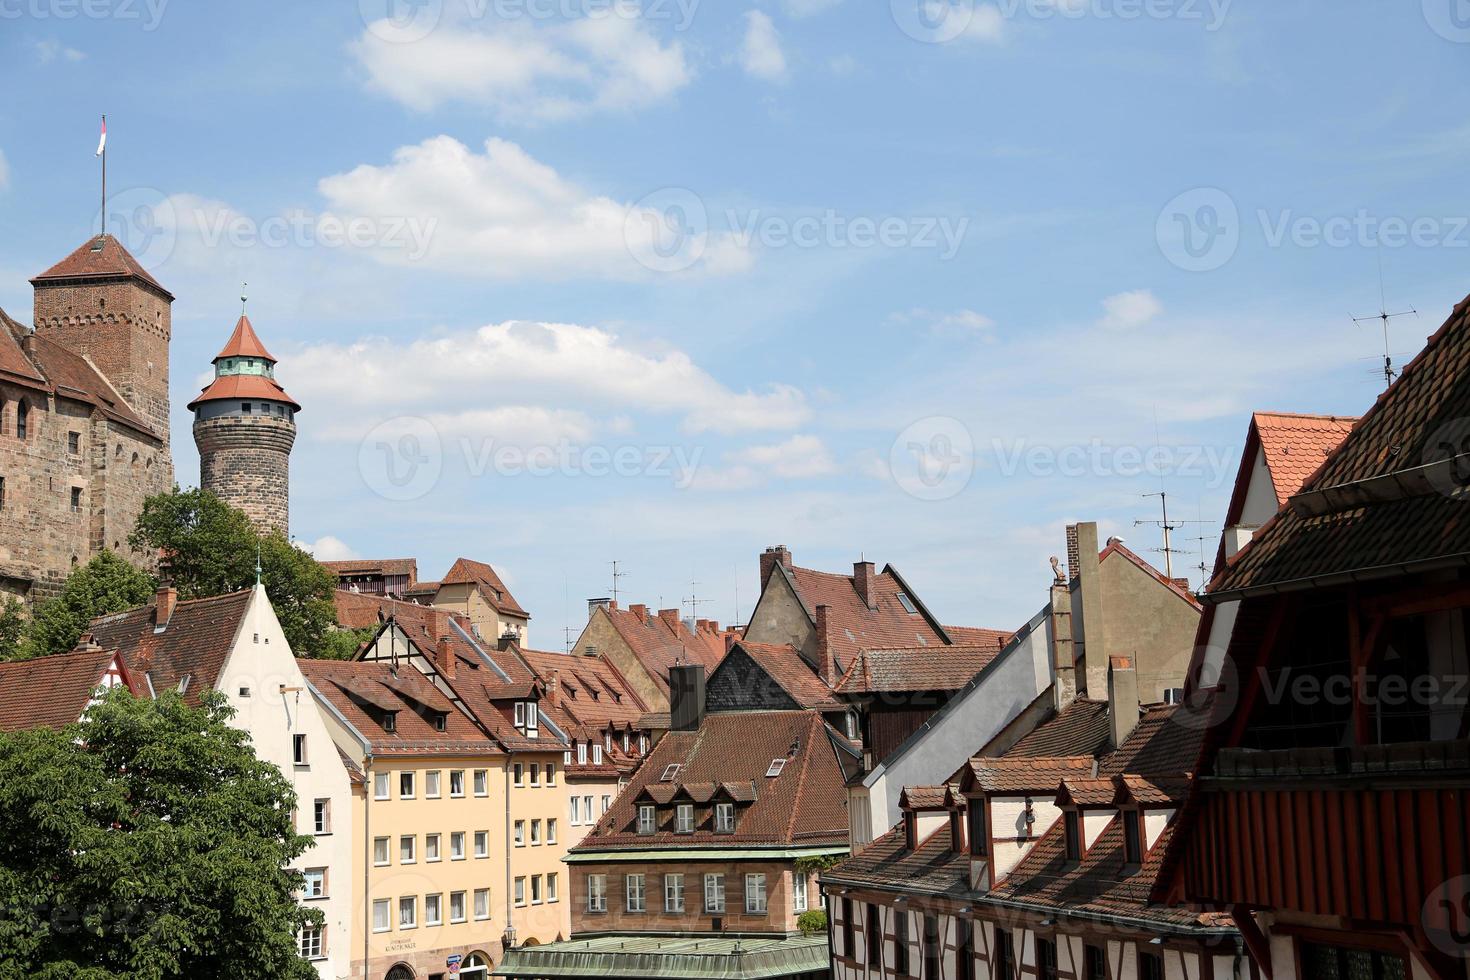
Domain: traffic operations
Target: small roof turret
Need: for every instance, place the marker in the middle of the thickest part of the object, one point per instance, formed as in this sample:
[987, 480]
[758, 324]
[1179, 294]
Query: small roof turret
[244, 343]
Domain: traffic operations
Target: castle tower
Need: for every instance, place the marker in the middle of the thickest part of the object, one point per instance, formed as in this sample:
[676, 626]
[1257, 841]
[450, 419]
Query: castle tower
[101, 303]
[244, 426]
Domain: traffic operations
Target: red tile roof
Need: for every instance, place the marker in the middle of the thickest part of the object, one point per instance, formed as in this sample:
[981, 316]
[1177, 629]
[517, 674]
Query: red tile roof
[916, 669]
[805, 805]
[244, 343]
[376, 566]
[793, 675]
[1336, 525]
[660, 642]
[1295, 446]
[50, 692]
[362, 692]
[466, 571]
[1032, 774]
[1082, 728]
[110, 261]
[853, 625]
[232, 386]
[192, 649]
[592, 694]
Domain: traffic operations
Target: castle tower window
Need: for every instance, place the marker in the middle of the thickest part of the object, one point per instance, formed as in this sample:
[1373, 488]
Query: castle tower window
[74, 442]
[22, 419]
[76, 500]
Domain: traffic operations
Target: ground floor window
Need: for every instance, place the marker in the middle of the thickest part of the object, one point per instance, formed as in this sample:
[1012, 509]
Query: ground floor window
[1323, 962]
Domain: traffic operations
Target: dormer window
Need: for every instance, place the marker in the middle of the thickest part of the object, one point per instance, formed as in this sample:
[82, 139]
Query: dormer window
[684, 818]
[979, 829]
[1132, 837]
[527, 718]
[441, 721]
[907, 603]
[581, 753]
[647, 820]
[724, 818]
[390, 721]
[1072, 825]
[597, 755]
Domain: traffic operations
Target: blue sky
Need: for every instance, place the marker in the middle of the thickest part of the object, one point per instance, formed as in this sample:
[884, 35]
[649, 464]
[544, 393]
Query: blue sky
[566, 281]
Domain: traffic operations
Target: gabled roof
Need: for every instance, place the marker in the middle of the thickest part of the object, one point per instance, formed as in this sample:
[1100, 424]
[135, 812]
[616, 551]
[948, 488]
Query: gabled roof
[51, 692]
[1387, 498]
[1080, 729]
[852, 624]
[467, 571]
[191, 650]
[361, 692]
[784, 665]
[103, 257]
[1295, 446]
[244, 343]
[805, 805]
[917, 668]
[1116, 547]
[1034, 774]
[660, 642]
[593, 695]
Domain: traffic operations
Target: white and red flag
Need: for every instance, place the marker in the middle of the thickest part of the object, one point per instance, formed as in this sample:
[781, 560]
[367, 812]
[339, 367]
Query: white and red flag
[102, 143]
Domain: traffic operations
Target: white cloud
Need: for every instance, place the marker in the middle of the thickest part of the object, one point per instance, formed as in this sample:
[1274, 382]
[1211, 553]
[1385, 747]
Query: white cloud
[468, 379]
[525, 68]
[806, 8]
[504, 214]
[760, 54]
[843, 65]
[328, 548]
[957, 321]
[799, 458]
[49, 50]
[1126, 311]
[4, 172]
[967, 20]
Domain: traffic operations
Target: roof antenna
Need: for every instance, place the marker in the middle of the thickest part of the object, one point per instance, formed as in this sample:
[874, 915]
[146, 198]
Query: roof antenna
[257, 561]
[1388, 372]
[1167, 550]
[244, 297]
[615, 576]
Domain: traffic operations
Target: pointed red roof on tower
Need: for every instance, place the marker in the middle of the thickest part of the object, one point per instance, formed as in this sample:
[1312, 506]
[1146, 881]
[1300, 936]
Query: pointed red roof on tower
[244, 343]
[102, 257]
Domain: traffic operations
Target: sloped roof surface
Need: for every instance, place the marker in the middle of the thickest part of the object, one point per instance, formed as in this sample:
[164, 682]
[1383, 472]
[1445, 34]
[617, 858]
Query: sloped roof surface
[244, 343]
[195, 644]
[786, 667]
[852, 624]
[593, 694]
[50, 692]
[1295, 446]
[916, 669]
[232, 386]
[376, 566]
[467, 571]
[110, 261]
[1082, 728]
[362, 691]
[659, 644]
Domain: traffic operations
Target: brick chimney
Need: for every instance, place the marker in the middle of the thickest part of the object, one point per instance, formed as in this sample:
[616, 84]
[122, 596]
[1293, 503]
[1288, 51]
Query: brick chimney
[864, 579]
[165, 601]
[1090, 621]
[1063, 653]
[444, 655]
[772, 557]
[1074, 553]
[825, 667]
[729, 641]
[641, 611]
[87, 641]
[671, 617]
[1122, 699]
[553, 690]
[506, 640]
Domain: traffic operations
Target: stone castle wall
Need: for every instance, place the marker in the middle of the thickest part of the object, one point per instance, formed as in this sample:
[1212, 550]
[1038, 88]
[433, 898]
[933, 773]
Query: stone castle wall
[246, 462]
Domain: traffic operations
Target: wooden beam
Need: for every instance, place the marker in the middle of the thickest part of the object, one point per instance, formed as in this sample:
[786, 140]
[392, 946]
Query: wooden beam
[1255, 941]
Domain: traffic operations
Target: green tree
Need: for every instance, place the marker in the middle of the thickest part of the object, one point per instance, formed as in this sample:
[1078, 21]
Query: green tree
[210, 548]
[12, 628]
[103, 585]
[147, 842]
[342, 644]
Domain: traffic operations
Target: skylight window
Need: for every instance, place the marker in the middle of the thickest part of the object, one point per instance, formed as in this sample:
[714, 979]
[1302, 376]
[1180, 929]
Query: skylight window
[907, 603]
[670, 771]
[775, 770]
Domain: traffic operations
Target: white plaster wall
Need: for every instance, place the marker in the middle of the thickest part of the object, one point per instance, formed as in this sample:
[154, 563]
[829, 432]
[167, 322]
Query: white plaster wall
[1094, 822]
[1154, 822]
[261, 660]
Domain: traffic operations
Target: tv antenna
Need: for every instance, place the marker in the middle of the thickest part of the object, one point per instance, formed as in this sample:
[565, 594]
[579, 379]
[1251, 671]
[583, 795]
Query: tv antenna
[1384, 316]
[615, 576]
[567, 637]
[693, 601]
[1168, 551]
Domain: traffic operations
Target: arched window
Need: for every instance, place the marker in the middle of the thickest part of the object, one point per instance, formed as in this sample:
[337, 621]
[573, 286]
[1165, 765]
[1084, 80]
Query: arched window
[22, 419]
[400, 972]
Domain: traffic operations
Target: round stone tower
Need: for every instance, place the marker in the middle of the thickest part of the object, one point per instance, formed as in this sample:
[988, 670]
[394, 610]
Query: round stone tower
[244, 426]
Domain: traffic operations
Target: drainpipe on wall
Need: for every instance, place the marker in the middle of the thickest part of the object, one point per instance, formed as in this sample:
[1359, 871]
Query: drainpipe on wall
[367, 860]
[509, 872]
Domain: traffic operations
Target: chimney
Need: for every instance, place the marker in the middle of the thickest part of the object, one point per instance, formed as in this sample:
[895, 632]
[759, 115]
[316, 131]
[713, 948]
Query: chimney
[507, 638]
[864, 580]
[686, 697]
[1074, 554]
[595, 604]
[640, 611]
[553, 691]
[671, 617]
[772, 557]
[1122, 699]
[1063, 653]
[824, 646]
[444, 654]
[166, 599]
[729, 641]
[1089, 586]
[87, 641]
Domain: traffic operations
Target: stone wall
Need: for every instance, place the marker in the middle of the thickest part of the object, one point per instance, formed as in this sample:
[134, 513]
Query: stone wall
[246, 462]
[780, 915]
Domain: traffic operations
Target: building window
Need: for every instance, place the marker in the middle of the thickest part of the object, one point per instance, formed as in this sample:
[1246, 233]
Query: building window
[1073, 826]
[74, 442]
[298, 749]
[1342, 963]
[1094, 965]
[314, 883]
[456, 906]
[247, 408]
[873, 935]
[684, 818]
[406, 845]
[408, 912]
[520, 833]
[405, 785]
[482, 843]
[597, 893]
[535, 833]
[536, 898]
[1046, 959]
[798, 890]
[380, 852]
[965, 953]
[381, 922]
[456, 845]
[673, 893]
[551, 774]
[901, 942]
[535, 774]
[380, 785]
[581, 753]
[482, 782]
[606, 804]
[1132, 838]
[312, 942]
[1151, 967]
[551, 830]
[755, 894]
[576, 811]
[482, 903]
[322, 816]
[456, 783]
[433, 910]
[646, 819]
[431, 784]
[979, 828]
[76, 500]
[714, 893]
[597, 755]
[724, 818]
[518, 775]
[520, 894]
[1005, 955]
[431, 848]
[22, 419]
[636, 898]
[2, 493]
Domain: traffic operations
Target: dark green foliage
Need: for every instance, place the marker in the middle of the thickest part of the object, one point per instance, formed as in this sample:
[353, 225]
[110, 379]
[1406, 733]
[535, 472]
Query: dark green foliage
[106, 584]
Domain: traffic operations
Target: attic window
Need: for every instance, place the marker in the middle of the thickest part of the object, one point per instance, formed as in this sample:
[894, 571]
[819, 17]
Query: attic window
[1132, 838]
[670, 771]
[390, 721]
[441, 721]
[776, 766]
[1073, 821]
[907, 603]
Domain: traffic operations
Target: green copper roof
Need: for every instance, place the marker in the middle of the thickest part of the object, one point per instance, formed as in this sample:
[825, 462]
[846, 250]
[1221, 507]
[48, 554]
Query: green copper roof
[639, 957]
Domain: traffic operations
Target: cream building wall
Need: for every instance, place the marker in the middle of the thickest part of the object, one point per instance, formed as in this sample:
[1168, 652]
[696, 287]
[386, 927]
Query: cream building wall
[466, 599]
[272, 702]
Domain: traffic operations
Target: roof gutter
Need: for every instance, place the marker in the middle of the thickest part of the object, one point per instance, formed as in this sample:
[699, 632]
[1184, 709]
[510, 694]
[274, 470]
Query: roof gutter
[1372, 573]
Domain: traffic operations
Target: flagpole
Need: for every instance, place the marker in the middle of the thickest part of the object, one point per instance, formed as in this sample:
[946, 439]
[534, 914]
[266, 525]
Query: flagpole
[104, 175]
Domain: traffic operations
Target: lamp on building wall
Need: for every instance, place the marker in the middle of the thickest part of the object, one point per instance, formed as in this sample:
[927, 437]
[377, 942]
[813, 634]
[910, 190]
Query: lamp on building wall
[508, 939]
[1030, 816]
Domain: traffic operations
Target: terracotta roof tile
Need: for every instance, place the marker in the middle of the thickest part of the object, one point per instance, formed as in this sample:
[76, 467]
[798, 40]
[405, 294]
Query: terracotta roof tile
[110, 261]
[592, 693]
[793, 675]
[363, 692]
[659, 644]
[50, 692]
[916, 669]
[232, 386]
[376, 566]
[1082, 728]
[1034, 774]
[853, 625]
[1295, 446]
[244, 343]
[32, 360]
[191, 650]
[466, 571]
[1088, 791]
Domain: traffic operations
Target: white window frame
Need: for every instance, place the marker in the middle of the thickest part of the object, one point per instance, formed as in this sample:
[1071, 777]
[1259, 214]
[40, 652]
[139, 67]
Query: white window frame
[536, 774]
[311, 942]
[408, 846]
[581, 753]
[382, 785]
[434, 909]
[433, 780]
[673, 893]
[406, 778]
[433, 848]
[756, 898]
[298, 749]
[409, 904]
[456, 845]
[520, 892]
[383, 846]
[482, 904]
[724, 818]
[576, 814]
[596, 893]
[551, 830]
[597, 755]
[538, 893]
[482, 782]
[321, 816]
[314, 883]
[518, 776]
[456, 776]
[647, 820]
[520, 833]
[684, 818]
[385, 906]
[799, 884]
[456, 898]
[536, 832]
[635, 891]
[714, 893]
[551, 888]
[482, 843]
